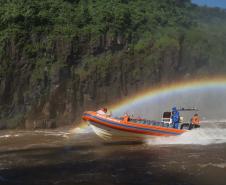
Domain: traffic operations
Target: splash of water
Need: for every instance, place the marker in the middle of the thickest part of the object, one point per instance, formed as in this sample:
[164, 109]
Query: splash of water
[217, 165]
[9, 135]
[81, 130]
[202, 136]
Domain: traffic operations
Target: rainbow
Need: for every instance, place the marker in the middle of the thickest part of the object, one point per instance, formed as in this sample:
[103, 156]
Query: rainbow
[164, 90]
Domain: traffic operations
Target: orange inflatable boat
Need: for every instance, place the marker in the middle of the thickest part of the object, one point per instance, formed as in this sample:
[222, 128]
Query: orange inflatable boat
[127, 129]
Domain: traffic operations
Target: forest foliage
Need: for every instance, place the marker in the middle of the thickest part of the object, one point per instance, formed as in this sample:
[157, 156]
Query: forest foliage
[33, 25]
[90, 18]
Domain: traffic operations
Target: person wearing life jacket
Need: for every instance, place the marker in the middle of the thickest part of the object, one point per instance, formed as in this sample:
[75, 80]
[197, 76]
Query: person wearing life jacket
[195, 122]
[175, 117]
[125, 118]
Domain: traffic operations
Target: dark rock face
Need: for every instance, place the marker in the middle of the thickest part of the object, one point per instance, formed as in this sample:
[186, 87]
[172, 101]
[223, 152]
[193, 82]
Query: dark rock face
[3, 125]
[40, 124]
[40, 93]
[47, 95]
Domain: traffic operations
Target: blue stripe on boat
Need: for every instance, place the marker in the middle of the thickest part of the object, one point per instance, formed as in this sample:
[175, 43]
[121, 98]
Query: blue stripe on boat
[129, 126]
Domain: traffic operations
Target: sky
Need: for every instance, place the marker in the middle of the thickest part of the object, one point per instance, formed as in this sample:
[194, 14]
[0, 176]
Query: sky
[211, 3]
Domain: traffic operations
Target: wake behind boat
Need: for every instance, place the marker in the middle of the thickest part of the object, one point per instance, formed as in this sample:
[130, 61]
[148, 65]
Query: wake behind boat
[131, 129]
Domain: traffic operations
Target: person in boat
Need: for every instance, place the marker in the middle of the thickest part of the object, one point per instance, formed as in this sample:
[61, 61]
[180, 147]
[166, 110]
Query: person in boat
[195, 122]
[175, 117]
[126, 118]
[103, 111]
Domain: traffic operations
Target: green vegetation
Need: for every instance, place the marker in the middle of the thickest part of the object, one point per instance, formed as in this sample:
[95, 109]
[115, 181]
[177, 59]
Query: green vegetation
[80, 48]
[25, 20]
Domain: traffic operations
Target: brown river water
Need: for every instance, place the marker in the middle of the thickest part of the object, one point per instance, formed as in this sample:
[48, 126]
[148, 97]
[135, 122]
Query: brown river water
[77, 156]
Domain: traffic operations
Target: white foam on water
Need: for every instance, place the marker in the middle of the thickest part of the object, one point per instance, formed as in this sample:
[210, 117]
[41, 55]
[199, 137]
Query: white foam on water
[202, 136]
[218, 165]
[222, 121]
[5, 136]
[9, 135]
[79, 130]
[52, 133]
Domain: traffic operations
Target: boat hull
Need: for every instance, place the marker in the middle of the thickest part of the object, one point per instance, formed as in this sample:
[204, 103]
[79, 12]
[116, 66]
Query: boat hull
[111, 134]
[117, 130]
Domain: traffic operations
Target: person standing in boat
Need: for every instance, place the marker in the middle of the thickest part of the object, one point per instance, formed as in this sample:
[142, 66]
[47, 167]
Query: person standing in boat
[195, 122]
[175, 117]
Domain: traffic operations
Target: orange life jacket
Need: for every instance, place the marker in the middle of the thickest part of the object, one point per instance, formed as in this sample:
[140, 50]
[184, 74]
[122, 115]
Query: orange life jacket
[126, 119]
